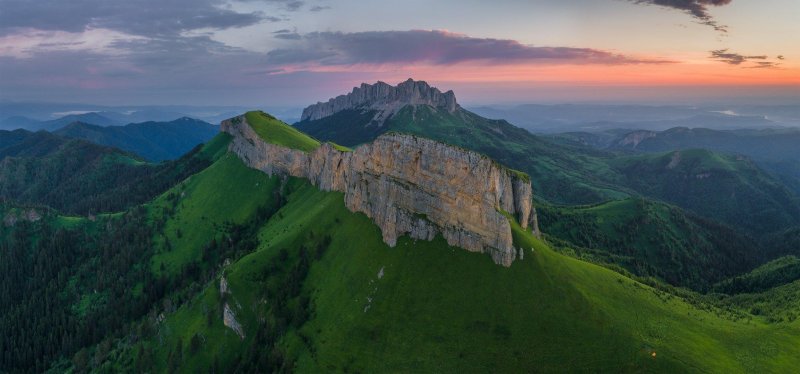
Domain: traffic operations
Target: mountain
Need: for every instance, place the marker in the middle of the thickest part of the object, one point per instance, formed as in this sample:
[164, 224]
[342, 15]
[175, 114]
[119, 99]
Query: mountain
[560, 173]
[729, 189]
[155, 141]
[78, 177]
[560, 118]
[17, 122]
[142, 115]
[92, 118]
[404, 183]
[384, 99]
[774, 150]
[247, 265]
[652, 239]
[773, 274]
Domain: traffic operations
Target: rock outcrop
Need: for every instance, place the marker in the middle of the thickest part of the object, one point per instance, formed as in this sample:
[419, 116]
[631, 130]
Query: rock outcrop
[408, 185]
[385, 99]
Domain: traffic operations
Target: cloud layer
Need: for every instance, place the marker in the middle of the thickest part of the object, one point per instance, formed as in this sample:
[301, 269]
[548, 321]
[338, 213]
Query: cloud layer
[696, 8]
[730, 58]
[433, 47]
[151, 18]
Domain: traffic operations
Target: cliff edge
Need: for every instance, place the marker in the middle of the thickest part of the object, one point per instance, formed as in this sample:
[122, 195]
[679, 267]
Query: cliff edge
[407, 185]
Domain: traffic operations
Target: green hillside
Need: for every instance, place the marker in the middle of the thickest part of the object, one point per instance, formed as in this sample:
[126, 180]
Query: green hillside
[81, 281]
[652, 239]
[321, 292]
[78, 177]
[775, 273]
[729, 189]
[277, 132]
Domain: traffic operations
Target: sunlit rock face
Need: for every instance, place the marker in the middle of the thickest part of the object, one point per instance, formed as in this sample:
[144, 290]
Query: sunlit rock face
[408, 186]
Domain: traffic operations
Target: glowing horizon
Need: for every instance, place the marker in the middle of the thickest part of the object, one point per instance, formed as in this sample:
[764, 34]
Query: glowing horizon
[292, 52]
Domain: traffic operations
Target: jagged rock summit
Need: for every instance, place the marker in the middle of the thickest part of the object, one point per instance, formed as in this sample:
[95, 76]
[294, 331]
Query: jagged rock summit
[407, 185]
[384, 98]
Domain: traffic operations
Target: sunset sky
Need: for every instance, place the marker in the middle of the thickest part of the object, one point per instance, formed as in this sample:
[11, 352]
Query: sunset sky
[274, 52]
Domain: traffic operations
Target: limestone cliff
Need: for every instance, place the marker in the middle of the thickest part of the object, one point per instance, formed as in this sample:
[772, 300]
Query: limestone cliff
[385, 99]
[407, 185]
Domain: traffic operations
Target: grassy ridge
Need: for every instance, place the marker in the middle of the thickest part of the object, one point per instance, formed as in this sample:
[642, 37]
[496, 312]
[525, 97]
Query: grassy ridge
[235, 195]
[274, 131]
[425, 306]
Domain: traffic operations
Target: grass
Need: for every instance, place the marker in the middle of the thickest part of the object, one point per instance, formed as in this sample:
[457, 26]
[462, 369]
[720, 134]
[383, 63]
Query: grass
[340, 148]
[428, 307]
[225, 192]
[273, 130]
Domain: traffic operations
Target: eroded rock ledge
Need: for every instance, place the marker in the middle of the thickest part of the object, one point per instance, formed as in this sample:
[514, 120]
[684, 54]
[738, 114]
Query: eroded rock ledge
[408, 185]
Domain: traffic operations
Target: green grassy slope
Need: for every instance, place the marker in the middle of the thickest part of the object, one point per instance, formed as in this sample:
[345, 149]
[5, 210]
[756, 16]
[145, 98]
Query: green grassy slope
[275, 131]
[726, 188]
[322, 292]
[197, 210]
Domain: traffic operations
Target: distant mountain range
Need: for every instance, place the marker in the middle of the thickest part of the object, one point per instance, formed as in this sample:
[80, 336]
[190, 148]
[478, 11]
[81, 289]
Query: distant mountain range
[590, 117]
[775, 150]
[51, 116]
[155, 141]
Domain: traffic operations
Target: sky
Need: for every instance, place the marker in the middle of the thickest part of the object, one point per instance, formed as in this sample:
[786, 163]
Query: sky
[273, 53]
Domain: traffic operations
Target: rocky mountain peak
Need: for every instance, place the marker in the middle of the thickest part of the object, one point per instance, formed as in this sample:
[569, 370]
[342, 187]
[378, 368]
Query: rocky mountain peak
[385, 99]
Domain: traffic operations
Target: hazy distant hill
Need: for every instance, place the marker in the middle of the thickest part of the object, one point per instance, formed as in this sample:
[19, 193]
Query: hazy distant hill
[155, 141]
[775, 150]
[590, 117]
[93, 118]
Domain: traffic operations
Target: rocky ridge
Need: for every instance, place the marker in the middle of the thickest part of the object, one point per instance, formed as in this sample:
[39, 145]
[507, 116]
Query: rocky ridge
[408, 185]
[385, 99]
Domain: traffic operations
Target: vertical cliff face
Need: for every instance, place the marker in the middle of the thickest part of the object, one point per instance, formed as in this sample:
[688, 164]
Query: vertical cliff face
[384, 98]
[408, 185]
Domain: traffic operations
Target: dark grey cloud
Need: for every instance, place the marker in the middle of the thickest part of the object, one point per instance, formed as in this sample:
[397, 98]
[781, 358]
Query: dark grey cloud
[150, 18]
[290, 5]
[759, 61]
[319, 8]
[765, 65]
[287, 34]
[696, 8]
[434, 47]
[733, 58]
[780, 57]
